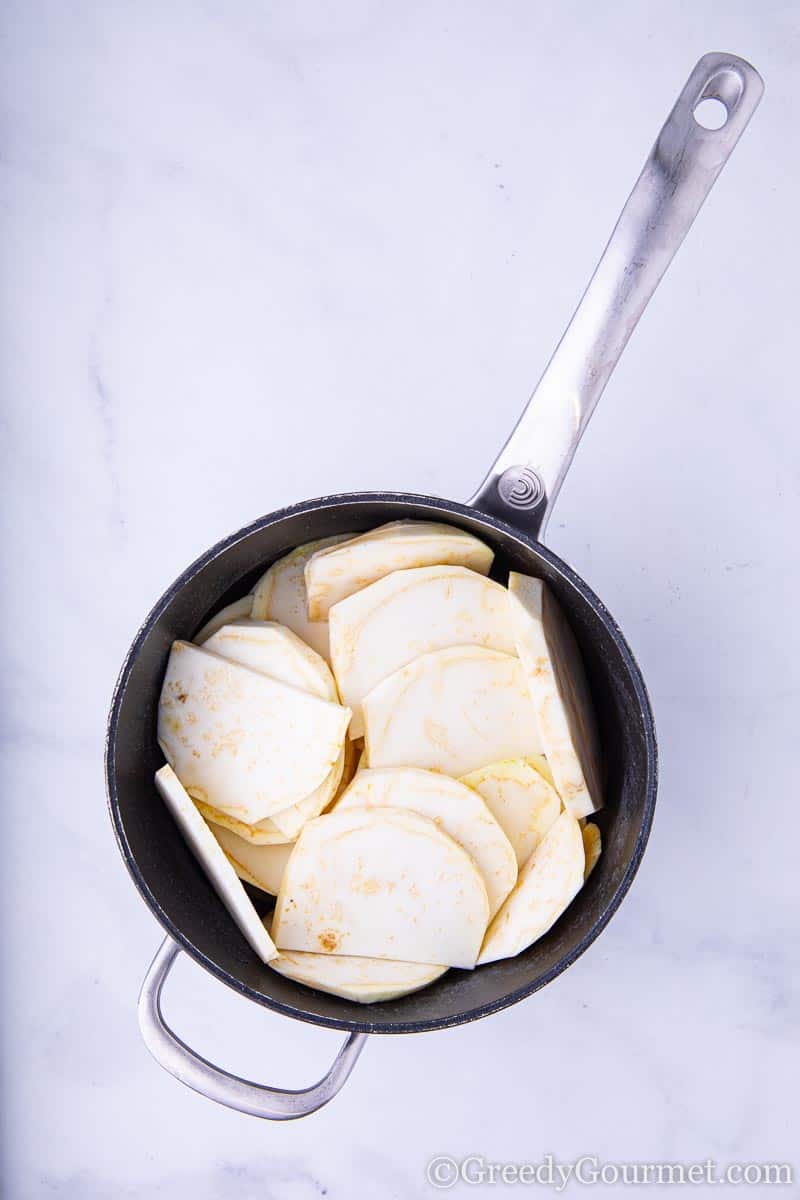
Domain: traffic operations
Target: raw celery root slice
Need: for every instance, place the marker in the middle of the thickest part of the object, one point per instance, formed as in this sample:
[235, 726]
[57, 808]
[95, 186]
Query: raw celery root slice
[237, 611]
[402, 529]
[592, 848]
[451, 711]
[547, 884]
[409, 613]
[364, 980]
[521, 800]
[280, 595]
[212, 859]
[291, 820]
[262, 833]
[457, 810]
[333, 573]
[262, 866]
[283, 826]
[540, 763]
[560, 693]
[381, 883]
[240, 741]
[276, 651]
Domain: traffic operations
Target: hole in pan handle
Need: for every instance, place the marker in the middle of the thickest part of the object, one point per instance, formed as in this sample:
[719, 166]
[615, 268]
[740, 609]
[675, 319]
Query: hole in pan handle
[524, 480]
[273, 1104]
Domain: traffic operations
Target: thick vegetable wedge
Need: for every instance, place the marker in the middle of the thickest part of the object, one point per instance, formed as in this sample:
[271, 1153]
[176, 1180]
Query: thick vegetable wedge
[559, 690]
[212, 859]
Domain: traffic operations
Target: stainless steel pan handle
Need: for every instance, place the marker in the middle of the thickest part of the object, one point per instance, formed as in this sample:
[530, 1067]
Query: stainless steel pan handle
[275, 1104]
[524, 480]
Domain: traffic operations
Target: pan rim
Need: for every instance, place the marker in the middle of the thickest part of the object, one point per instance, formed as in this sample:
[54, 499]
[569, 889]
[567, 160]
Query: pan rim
[411, 499]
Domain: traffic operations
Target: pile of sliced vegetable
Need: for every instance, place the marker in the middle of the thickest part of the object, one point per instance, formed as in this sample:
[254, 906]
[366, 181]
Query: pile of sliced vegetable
[399, 749]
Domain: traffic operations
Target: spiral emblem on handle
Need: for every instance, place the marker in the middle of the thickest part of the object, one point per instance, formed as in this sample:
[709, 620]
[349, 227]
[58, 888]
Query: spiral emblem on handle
[520, 487]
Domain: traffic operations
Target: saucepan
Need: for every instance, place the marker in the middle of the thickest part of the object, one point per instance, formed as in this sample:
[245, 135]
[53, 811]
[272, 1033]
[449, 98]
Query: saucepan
[509, 511]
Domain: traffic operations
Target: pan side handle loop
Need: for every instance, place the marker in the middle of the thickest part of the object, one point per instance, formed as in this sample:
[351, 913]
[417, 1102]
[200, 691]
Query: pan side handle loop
[525, 479]
[273, 1104]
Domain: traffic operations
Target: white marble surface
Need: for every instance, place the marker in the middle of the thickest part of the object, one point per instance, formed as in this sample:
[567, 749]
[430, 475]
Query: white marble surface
[253, 253]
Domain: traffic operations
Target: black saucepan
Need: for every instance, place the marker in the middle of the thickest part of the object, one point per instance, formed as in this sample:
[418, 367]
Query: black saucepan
[508, 512]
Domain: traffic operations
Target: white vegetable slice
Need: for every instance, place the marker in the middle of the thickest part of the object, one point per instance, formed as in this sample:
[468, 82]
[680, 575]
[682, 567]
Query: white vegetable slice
[540, 763]
[212, 859]
[592, 847]
[559, 691]
[274, 650]
[291, 820]
[239, 610]
[335, 572]
[453, 711]
[402, 528]
[457, 810]
[549, 881]
[521, 800]
[364, 980]
[409, 613]
[284, 826]
[280, 594]
[381, 883]
[262, 866]
[241, 741]
[262, 833]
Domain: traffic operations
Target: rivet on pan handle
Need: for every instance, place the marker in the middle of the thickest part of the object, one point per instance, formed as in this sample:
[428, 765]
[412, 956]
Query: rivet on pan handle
[684, 163]
[274, 1104]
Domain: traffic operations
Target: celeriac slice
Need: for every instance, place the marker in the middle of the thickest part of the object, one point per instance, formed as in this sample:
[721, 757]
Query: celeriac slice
[285, 825]
[212, 859]
[592, 846]
[409, 613]
[451, 711]
[381, 883]
[548, 882]
[334, 572]
[364, 980]
[275, 650]
[280, 594]
[521, 800]
[291, 820]
[237, 611]
[457, 810]
[262, 833]
[540, 763]
[262, 866]
[560, 693]
[240, 741]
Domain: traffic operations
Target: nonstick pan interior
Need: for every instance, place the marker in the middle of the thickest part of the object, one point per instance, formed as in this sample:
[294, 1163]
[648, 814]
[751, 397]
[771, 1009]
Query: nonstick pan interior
[175, 887]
